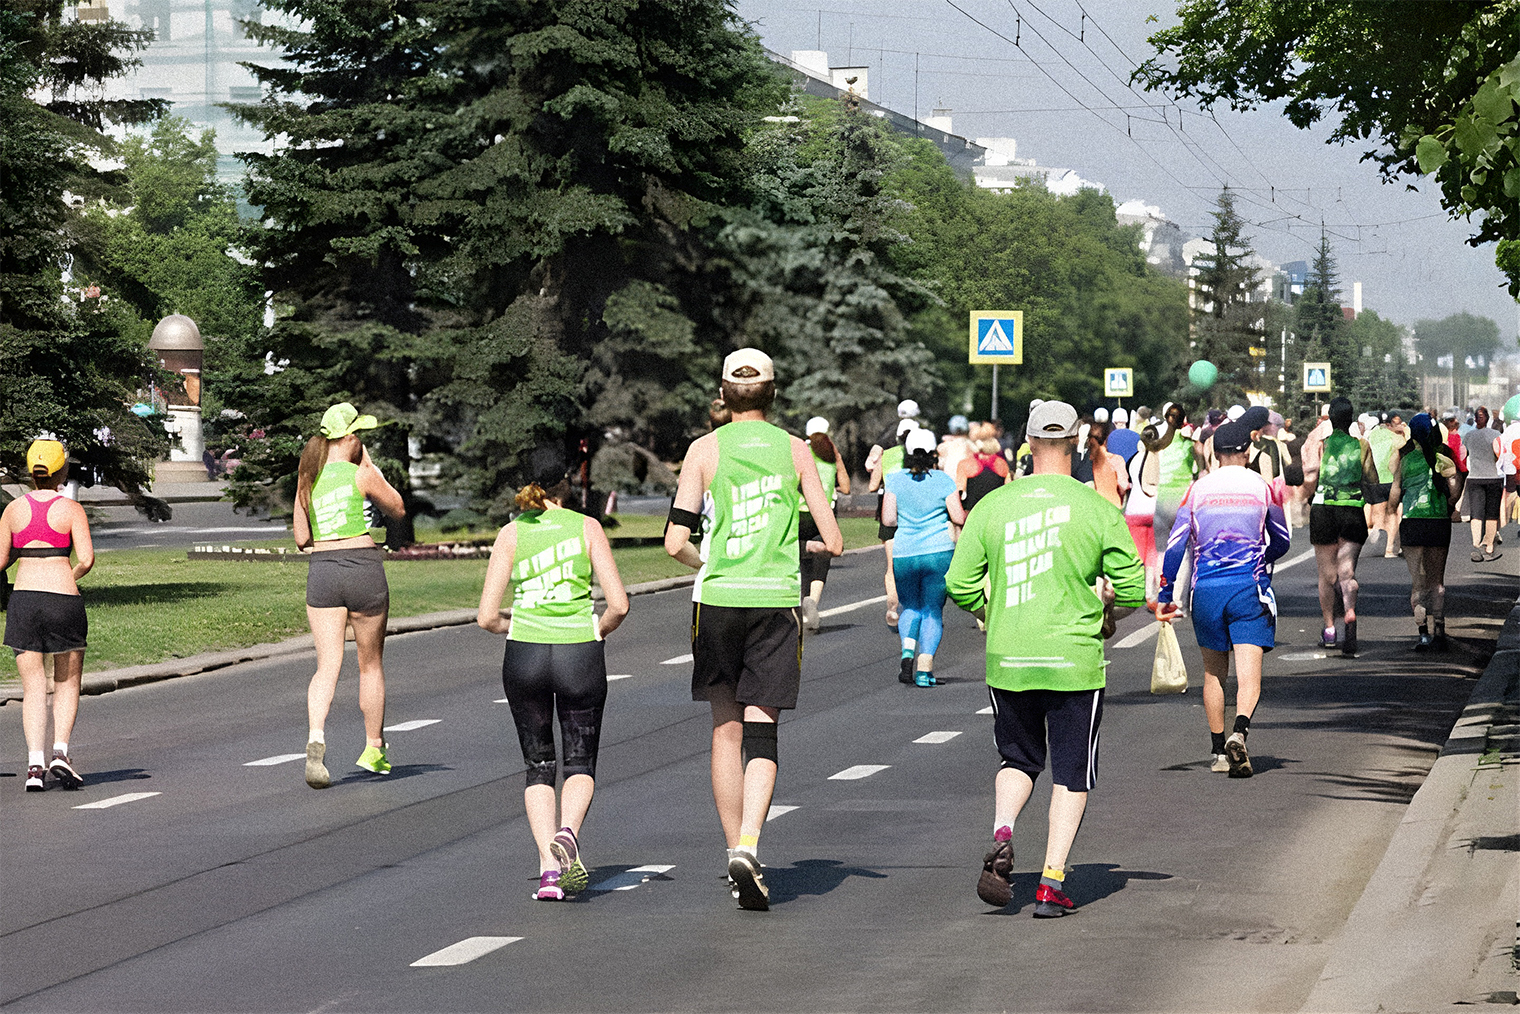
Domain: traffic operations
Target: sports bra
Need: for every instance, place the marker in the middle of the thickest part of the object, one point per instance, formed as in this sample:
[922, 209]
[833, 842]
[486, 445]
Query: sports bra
[38, 530]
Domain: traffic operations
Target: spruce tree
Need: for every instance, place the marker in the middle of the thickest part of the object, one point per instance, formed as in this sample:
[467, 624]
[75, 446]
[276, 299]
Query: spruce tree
[1319, 318]
[1227, 324]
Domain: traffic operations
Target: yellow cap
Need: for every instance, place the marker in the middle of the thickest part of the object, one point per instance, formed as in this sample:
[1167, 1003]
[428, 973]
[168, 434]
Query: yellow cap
[343, 419]
[46, 455]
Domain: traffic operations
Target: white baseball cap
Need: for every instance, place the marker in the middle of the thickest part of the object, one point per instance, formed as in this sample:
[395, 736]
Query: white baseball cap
[1121, 415]
[920, 440]
[817, 424]
[907, 409]
[1053, 420]
[1235, 412]
[1100, 415]
[905, 426]
[752, 358]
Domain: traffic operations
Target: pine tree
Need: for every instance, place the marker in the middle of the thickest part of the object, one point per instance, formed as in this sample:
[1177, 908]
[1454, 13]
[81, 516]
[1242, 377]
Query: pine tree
[1227, 324]
[1319, 318]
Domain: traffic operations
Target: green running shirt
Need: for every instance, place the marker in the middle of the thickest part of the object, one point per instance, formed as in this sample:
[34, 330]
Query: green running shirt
[1420, 494]
[1045, 540]
[1340, 471]
[551, 579]
[1174, 469]
[828, 474]
[753, 562]
[337, 506]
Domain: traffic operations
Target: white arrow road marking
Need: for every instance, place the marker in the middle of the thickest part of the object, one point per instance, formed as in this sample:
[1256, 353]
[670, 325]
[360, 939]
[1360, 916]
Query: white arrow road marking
[678, 660]
[777, 810]
[629, 879]
[936, 737]
[269, 762]
[464, 952]
[501, 700]
[855, 771]
[986, 711]
[1140, 636]
[130, 797]
[825, 614]
[416, 723]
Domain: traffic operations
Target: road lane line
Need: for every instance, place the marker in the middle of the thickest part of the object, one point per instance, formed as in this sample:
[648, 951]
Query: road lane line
[678, 660]
[130, 797]
[464, 952]
[778, 810]
[416, 723]
[502, 700]
[628, 879]
[986, 711]
[825, 614]
[936, 737]
[620, 676]
[1294, 562]
[268, 762]
[1140, 636]
[856, 771]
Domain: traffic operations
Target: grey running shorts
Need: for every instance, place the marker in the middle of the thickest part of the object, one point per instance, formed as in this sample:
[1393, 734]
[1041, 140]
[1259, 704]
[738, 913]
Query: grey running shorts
[351, 578]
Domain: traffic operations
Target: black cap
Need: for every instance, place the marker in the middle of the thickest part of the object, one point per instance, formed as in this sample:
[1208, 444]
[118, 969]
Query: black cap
[1232, 437]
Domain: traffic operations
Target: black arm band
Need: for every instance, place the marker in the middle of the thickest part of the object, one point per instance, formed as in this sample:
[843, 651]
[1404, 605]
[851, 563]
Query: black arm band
[687, 519]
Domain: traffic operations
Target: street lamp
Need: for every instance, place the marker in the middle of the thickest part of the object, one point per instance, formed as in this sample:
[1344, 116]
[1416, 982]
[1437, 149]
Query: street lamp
[177, 343]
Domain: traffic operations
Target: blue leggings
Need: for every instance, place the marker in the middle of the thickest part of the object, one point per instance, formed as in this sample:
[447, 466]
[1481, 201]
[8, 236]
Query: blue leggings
[921, 599]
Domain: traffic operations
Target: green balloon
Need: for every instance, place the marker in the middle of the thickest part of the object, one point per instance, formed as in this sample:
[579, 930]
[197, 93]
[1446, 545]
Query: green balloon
[1202, 374]
[1511, 409]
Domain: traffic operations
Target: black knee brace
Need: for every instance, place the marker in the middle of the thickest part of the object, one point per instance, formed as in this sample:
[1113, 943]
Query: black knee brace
[542, 772]
[760, 741]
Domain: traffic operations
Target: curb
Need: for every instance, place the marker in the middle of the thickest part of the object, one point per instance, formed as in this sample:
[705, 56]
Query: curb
[108, 680]
[1420, 927]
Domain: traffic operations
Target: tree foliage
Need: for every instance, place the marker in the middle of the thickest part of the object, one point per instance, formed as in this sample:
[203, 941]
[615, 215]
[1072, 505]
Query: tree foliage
[1432, 82]
[1227, 323]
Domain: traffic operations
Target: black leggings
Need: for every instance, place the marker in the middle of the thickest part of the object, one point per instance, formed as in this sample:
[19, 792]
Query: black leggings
[572, 677]
[813, 568]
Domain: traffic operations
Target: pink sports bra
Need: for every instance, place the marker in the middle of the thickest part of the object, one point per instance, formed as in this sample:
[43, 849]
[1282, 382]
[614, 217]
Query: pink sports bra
[38, 530]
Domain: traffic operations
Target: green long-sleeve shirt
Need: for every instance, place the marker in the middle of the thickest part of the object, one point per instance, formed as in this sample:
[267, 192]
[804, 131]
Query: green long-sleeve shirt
[1044, 540]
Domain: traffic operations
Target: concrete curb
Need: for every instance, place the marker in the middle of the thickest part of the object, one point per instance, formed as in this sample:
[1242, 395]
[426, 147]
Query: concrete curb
[1430, 915]
[107, 680]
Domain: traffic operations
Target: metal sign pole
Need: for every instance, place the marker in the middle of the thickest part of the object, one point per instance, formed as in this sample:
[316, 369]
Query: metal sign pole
[994, 391]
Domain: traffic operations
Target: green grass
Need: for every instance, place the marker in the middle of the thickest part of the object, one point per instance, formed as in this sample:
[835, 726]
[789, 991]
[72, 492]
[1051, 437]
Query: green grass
[153, 605]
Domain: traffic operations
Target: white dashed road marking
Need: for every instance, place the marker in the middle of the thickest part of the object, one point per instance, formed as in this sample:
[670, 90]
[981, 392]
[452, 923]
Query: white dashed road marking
[464, 952]
[416, 723]
[620, 676]
[1300, 558]
[501, 700]
[130, 797]
[777, 810]
[629, 879]
[678, 660]
[986, 711]
[1140, 636]
[825, 614]
[855, 771]
[936, 737]
[269, 762]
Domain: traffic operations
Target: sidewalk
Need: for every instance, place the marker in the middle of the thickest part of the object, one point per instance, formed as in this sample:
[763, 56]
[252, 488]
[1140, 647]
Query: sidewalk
[1439, 922]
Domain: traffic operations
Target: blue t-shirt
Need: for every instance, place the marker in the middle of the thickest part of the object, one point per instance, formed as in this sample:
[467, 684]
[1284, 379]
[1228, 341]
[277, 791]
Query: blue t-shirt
[1123, 443]
[923, 520]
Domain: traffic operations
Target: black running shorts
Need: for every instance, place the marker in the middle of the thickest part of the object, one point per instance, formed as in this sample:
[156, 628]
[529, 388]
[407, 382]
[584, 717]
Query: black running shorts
[1025, 722]
[1329, 523]
[44, 621]
[1378, 493]
[1484, 497]
[1425, 532]
[757, 652]
[351, 578]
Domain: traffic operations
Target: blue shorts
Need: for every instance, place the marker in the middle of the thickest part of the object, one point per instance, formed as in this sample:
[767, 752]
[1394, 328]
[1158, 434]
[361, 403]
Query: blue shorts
[1227, 613]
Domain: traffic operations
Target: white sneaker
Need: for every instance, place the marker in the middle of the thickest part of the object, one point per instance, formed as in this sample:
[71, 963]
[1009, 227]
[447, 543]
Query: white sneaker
[1221, 764]
[810, 615]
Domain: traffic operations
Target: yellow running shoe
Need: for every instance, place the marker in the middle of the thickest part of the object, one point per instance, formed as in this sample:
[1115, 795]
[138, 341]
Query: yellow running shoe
[373, 759]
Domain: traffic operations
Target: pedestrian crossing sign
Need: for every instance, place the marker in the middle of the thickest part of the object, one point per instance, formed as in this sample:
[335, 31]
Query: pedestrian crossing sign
[997, 336]
[1316, 378]
[1119, 382]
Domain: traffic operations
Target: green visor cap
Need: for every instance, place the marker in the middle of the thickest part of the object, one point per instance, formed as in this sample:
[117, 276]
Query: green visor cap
[343, 419]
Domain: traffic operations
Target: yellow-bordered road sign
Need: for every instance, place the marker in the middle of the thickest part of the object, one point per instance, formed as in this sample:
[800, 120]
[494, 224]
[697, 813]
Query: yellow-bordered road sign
[1316, 378]
[1119, 382]
[997, 336]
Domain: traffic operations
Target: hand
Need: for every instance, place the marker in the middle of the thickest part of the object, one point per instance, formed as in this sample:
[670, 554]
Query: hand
[1165, 612]
[814, 547]
[1105, 591]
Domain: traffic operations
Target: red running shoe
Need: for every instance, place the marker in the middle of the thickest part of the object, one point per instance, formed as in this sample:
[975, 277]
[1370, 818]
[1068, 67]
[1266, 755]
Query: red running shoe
[1050, 903]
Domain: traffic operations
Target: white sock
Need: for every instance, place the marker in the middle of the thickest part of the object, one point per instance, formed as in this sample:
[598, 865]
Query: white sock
[34, 759]
[315, 736]
[59, 746]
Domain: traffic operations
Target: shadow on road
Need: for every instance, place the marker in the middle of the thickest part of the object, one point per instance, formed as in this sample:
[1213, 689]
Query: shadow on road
[1085, 884]
[398, 771]
[119, 775]
[812, 876]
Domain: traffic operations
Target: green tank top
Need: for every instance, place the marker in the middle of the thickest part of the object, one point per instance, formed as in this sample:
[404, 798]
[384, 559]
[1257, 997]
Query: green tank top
[1174, 468]
[1340, 471]
[337, 506]
[753, 561]
[892, 460]
[828, 474]
[551, 580]
[1423, 496]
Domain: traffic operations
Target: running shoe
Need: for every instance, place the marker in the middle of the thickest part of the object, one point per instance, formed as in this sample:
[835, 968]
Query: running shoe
[1240, 760]
[373, 759]
[1327, 637]
[995, 885]
[1425, 642]
[316, 772]
[905, 671]
[1348, 643]
[567, 852]
[1050, 903]
[810, 615]
[925, 679]
[36, 778]
[1477, 556]
[63, 771]
[1221, 764]
[749, 888]
[1490, 556]
[548, 887]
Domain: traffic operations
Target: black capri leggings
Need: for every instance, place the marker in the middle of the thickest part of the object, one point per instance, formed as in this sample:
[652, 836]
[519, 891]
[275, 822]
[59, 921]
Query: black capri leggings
[813, 568]
[538, 678]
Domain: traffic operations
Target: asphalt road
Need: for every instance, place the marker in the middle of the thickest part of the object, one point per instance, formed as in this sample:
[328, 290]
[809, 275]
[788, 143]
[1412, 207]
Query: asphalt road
[234, 887]
[193, 524]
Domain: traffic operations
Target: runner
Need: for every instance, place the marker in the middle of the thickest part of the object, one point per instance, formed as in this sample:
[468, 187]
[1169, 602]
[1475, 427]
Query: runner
[1063, 568]
[746, 631]
[815, 566]
[957, 445]
[1123, 441]
[1385, 440]
[921, 501]
[1110, 476]
[1426, 484]
[1485, 486]
[1337, 524]
[889, 462]
[1170, 466]
[555, 661]
[1509, 467]
[1237, 528]
[45, 615]
[345, 585]
[984, 471]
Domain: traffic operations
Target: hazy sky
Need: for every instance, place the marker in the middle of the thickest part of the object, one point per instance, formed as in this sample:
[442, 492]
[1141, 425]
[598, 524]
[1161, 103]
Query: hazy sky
[1411, 260]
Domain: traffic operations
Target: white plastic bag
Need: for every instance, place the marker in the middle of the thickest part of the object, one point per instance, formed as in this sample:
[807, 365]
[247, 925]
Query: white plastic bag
[1168, 673]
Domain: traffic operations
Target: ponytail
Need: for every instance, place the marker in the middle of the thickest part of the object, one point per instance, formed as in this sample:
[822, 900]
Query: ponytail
[823, 448]
[531, 498]
[535, 497]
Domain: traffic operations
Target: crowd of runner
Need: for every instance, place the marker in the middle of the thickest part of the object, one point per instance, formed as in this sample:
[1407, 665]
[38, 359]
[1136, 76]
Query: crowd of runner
[1048, 539]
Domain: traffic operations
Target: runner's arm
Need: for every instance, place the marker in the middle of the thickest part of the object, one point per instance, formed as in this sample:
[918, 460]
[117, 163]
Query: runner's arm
[84, 546]
[841, 473]
[1176, 547]
[956, 508]
[889, 510]
[300, 523]
[696, 473]
[5, 536]
[1369, 463]
[1279, 538]
[968, 567]
[498, 580]
[372, 483]
[817, 500]
[1122, 570]
[876, 477]
[604, 567]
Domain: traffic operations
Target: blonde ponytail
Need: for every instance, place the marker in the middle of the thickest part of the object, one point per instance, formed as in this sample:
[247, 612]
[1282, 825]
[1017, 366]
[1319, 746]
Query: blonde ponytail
[531, 498]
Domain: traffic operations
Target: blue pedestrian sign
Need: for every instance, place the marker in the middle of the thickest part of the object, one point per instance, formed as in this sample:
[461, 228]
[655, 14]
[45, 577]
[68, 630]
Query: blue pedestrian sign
[1316, 378]
[997, 336]
[1119, 382]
